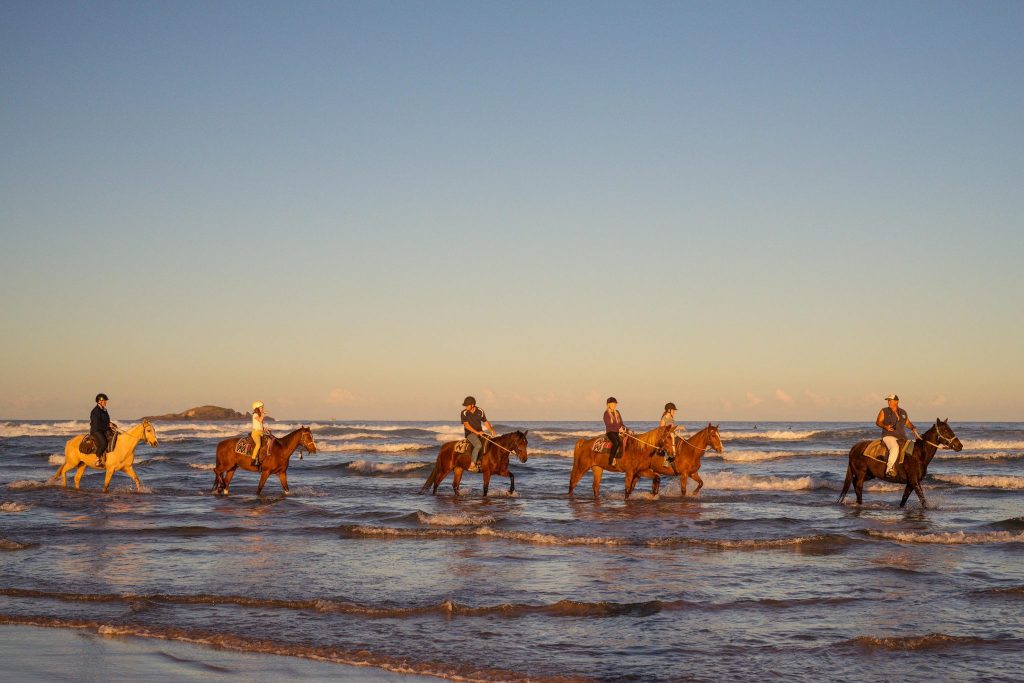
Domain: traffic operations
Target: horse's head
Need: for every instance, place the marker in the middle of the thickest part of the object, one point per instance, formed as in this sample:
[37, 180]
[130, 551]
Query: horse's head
[667, 440]
[946, 437]
[519, 444]
[148, 433]
[714, 438]
[306, 440]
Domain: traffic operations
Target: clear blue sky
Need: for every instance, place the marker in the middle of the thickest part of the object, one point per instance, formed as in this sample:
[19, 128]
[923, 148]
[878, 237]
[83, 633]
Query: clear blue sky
[757, 210]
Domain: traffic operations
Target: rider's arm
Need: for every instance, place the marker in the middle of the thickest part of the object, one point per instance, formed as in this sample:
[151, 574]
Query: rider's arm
[489, 427]
[880, 420]
[912, 428]
[470, 428]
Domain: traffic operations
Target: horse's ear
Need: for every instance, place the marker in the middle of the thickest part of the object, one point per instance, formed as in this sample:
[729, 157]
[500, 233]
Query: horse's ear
[946, 421]
[526, 432]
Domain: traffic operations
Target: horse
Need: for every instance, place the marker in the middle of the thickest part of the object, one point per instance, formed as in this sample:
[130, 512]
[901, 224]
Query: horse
[275, 462]
[687, 459]
[910, 472]
[637, 453]
[493, 460]
[119, 459]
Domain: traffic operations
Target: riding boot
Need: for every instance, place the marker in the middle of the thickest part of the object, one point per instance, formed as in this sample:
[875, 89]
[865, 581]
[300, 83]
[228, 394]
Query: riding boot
[101, 461]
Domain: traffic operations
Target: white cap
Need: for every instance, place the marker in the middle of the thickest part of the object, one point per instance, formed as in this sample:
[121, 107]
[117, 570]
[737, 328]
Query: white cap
[257, 404]
[892, 397]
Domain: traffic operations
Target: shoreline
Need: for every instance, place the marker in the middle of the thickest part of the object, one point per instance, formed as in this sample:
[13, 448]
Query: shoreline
[55, 653]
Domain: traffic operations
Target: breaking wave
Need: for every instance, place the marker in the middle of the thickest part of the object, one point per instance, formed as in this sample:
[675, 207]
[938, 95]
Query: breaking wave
[401, 447]
[993, 444]
[458, 519]
[950, 538]
[203, 466]
[771, 435]
[982, 481]
[367, 467]
[932, 641]
[12, 506]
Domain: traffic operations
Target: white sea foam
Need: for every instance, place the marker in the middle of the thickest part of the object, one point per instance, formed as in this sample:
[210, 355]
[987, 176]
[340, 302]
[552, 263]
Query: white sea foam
[971, 455]
[26, 485]
[458, 519]
[992, 444]
[772, 435]
[66, 428]
[373, 447]
[12, 506]
[951, 538]
[202, 465]
[561, 436]
[550, 451]
[730, 481]
[754, 456]
[368, 467]
[56, 459]
[982, 481]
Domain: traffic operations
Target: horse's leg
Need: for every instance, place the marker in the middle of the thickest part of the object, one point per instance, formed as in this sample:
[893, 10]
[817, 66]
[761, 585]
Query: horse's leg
[441, 474]
[575, 476]
[846, 484]
[78, 474]
[655, 485]
[597, 472]
[696, 478]
[283, 476]
[906, 494]
[487, 481]
[130, 471]
[227, 477]
[858, 485]
[263, 480]
[920, 493]
[457, 480]
[106, 478]
[62, 472]
[512, 483]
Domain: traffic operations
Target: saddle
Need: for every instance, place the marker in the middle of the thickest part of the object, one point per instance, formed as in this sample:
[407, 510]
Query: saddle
[88, 445]
[244, 446]
[877, 450]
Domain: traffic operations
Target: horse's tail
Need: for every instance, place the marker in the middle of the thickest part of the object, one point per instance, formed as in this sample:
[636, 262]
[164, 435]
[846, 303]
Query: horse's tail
[849, 478]
[434, 473]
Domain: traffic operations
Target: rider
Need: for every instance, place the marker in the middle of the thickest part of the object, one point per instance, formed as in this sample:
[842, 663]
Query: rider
[613, 427]
[892, 419]
[473, 421]
[668, 418]
[99, 427]
[258, 415]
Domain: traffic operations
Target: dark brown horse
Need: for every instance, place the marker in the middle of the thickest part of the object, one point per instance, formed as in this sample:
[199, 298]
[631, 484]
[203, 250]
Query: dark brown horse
[687, 459]
[275, 463]
[910, 472]
[493, 460]
[638, 452]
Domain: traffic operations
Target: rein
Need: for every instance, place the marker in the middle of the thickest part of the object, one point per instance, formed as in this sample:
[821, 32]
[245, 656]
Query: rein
[498, 445]
[687, 442]
[651, 445]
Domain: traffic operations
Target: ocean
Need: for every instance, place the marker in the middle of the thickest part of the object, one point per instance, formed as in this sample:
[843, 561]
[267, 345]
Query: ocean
[763, 575]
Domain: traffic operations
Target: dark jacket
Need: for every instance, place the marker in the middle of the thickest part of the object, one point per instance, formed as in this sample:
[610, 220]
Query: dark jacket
[99, 421]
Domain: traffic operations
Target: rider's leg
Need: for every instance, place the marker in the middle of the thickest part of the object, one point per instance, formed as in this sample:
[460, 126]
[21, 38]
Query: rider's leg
[894, 450]
[478, 448]
[616, 446]
[101, 448]
[257, 439]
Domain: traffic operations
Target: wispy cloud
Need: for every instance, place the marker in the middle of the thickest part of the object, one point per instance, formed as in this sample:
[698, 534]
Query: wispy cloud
[784, 397]
[753, 399]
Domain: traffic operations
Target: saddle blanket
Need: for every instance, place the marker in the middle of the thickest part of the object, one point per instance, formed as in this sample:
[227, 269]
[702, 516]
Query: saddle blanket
[88, 445]
[602, 445]
[462, 446]
[244, 445]
[879, 451]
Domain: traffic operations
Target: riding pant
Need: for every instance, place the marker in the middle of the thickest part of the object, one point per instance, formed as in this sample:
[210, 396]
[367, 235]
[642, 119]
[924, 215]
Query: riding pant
[257, 439]
[616, 444]
[101, 443]
[894, 450]
[477, 443]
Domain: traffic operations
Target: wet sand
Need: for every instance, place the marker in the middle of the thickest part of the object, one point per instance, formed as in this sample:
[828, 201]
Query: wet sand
[32, 653]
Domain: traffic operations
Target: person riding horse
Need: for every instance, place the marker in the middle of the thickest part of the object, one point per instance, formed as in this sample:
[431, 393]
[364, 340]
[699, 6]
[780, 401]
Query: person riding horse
[473, 421]
[892, 419]
[258, 415]
[613, 427]
[100, 426]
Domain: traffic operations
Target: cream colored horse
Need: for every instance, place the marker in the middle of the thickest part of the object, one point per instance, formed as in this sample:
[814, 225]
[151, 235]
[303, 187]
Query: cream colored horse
[121, 458]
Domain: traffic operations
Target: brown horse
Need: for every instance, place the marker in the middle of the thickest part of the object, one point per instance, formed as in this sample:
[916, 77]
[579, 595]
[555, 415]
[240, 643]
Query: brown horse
[638, 452]
[275, 463]
[910, 472]
[493, 460]
[687, 459]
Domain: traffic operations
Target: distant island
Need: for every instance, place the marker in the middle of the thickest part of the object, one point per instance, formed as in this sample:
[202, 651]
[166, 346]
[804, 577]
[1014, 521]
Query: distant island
[202, 413]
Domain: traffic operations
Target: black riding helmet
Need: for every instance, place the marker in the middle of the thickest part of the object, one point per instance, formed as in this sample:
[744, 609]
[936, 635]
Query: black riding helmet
[612, 399]
[670, 406]
[468, 401]
[101, 397]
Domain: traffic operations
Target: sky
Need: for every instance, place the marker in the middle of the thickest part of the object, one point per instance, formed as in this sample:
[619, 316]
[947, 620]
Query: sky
[368, 210]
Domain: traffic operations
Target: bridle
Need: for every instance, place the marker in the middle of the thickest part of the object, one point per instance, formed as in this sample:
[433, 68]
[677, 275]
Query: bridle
[946, 441]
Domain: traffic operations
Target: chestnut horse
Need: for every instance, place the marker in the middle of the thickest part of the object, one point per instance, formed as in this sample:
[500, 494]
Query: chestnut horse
[638, 452]
[276, 462]
[493, 460]
[687, 460]
[911, 471]
[120, 459]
